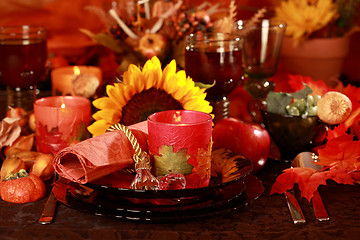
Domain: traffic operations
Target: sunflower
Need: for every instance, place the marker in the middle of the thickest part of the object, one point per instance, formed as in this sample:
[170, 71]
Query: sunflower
[304, 17]
[147, 91]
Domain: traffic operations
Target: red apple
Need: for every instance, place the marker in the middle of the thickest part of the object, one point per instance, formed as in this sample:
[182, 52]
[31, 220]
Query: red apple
[154, 44]
[239, 101]
[248, 139]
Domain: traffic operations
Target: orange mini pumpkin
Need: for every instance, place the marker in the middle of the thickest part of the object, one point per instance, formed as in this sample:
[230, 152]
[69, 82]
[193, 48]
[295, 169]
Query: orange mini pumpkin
[22, 187]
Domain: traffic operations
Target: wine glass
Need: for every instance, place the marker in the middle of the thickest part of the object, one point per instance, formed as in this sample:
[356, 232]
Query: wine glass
[23, 56]
[262, 41]
[214, 59]
[261, 48]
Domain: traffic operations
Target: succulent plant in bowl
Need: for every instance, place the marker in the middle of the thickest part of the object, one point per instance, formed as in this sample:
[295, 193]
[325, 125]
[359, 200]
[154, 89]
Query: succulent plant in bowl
[292, 122]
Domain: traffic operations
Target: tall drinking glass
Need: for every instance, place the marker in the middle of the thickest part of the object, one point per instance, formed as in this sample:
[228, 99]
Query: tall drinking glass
[215, 58]
[23, 55]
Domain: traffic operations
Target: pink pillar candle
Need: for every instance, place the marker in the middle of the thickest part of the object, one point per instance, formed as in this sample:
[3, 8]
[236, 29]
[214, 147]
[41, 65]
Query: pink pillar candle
[180, 142]
[60, 122]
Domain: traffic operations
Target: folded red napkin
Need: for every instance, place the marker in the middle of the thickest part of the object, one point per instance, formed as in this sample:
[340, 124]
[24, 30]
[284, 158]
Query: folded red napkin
[99, 156]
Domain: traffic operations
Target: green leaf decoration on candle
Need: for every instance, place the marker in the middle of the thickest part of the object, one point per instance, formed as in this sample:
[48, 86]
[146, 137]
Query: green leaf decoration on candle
[170, 162]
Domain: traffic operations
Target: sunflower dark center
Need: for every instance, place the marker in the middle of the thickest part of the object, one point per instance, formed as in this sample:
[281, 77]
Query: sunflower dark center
[147, 102]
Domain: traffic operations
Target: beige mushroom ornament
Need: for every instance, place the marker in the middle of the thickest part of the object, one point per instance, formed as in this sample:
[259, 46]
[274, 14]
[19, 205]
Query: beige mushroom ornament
[334, 107]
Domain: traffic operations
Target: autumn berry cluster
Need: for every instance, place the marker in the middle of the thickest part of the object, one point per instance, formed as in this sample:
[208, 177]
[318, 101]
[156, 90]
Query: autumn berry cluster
[191, 22]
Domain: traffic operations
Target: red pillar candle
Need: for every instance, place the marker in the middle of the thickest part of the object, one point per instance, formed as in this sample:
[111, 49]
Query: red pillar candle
[60, 122]
[180, 142]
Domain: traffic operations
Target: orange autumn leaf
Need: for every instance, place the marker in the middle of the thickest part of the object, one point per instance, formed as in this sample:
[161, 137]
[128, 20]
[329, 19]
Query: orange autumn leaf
[341, 153]
[308, 180]
[353, 118]
[319, 178]
[337, 131]
[203, 167]
[355, 128]
[290, 176]
[353, 93]
[339, 176]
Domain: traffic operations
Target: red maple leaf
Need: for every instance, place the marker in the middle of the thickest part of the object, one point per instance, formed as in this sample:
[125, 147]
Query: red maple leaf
[320, 178]
[308, 180]
[337, 131]
[290, 176]
[318, 87]
[353, 93]
[341, 153]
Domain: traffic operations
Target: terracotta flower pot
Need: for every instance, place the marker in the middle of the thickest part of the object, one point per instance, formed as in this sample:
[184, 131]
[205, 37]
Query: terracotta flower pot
[320, 58]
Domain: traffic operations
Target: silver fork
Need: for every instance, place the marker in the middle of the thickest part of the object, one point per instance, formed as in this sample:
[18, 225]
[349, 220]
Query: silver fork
[305, 159]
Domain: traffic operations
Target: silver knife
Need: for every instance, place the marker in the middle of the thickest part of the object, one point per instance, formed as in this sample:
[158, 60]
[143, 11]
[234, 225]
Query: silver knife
[294, 208]
[48, 213]
[319, 208]
[307, 159]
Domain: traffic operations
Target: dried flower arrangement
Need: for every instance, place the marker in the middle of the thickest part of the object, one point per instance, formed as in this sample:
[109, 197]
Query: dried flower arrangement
[318, 18]
[144, 29]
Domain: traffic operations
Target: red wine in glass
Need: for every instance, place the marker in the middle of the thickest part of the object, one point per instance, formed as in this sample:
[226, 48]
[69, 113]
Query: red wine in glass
[223, 68]
[22, 65]
[23, 56]
[215, 58]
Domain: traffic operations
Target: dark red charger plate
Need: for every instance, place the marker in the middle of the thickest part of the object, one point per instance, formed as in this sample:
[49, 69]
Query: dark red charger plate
[162, 205]
[89, 200]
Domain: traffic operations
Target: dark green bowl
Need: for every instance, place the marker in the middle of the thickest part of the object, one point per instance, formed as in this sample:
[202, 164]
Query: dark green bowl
[294, 134]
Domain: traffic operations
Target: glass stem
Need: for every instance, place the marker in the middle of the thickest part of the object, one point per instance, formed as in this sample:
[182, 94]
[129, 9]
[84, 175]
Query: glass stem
[220, 109]
[258, 87]
[21, 97]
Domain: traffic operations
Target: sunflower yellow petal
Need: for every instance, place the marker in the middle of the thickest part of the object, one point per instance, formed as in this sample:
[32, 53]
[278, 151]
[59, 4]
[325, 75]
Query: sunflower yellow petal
[152, 73]
[109, 115]
[134, 77]
[153, 63]
[182, 91]
[181, 78]
[129, 92]
[104, 102]
[130, 74]
[98, 127]
[116, 94]
[171, 86]
[153, 78]
[168, 72]
[196, 104]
